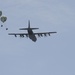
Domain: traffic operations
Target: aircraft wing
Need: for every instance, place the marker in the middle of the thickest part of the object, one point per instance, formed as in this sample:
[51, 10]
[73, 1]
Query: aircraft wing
[26, 34]
[44, 33]
[21, 34]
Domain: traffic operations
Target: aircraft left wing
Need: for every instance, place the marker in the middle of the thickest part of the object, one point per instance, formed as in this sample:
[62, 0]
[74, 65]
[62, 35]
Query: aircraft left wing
[21, 34]
[44, 33]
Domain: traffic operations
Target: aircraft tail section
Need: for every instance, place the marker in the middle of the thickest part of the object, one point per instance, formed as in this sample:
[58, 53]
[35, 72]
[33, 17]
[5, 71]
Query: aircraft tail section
[34, 28]
[28, 27]
[23, 29]
[28, 23]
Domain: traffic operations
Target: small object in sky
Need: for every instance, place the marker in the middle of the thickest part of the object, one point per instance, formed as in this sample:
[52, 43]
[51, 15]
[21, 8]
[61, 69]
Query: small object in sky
[6, 28]
[0, 13]
[3, 19]
[1, 25]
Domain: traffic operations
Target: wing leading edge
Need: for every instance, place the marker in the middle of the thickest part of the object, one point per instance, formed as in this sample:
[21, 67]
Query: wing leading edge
[26, 34]
[21, 34]
[44, 33]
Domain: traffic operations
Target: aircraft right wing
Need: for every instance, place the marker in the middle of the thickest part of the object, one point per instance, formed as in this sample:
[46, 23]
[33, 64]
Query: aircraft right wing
[44, 33]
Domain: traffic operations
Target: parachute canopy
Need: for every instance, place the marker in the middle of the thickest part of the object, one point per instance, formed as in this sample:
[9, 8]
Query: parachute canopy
[0, 13]
[3, 19]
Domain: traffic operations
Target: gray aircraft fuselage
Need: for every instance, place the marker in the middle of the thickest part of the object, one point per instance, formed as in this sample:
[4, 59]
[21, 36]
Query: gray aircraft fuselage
[31, 35]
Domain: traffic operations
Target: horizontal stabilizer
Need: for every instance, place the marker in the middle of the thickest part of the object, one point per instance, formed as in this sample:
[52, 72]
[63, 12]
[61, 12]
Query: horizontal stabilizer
[23, 29]
[28, 28]
[34, 28]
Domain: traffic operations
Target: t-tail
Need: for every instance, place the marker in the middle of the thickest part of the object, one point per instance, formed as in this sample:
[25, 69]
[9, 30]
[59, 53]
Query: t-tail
[28, 27]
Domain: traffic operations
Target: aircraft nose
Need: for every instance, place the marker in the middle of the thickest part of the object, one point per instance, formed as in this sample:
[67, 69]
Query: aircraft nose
[35, 39]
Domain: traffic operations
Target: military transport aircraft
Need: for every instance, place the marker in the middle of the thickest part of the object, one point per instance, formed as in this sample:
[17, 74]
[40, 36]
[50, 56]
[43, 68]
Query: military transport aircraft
[30, 33]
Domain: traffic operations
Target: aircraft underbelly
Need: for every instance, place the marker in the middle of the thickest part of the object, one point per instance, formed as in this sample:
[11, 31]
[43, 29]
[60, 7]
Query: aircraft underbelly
[33, 38]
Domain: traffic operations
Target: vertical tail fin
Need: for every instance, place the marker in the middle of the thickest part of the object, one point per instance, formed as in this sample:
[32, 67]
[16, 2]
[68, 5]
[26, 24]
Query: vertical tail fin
[28, 23]
[28, 27]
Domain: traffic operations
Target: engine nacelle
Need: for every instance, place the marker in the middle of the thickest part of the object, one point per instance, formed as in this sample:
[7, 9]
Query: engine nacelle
[41, 35]
[38, 35]
[49, 34]
[45, 34]
[15, 35]
[26, 35]
[22, 35]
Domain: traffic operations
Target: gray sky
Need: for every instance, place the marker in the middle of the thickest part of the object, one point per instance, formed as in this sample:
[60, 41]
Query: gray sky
[53, 55]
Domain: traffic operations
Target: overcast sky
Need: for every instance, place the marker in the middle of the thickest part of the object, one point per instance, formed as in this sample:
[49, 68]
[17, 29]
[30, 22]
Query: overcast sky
[54, 55]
